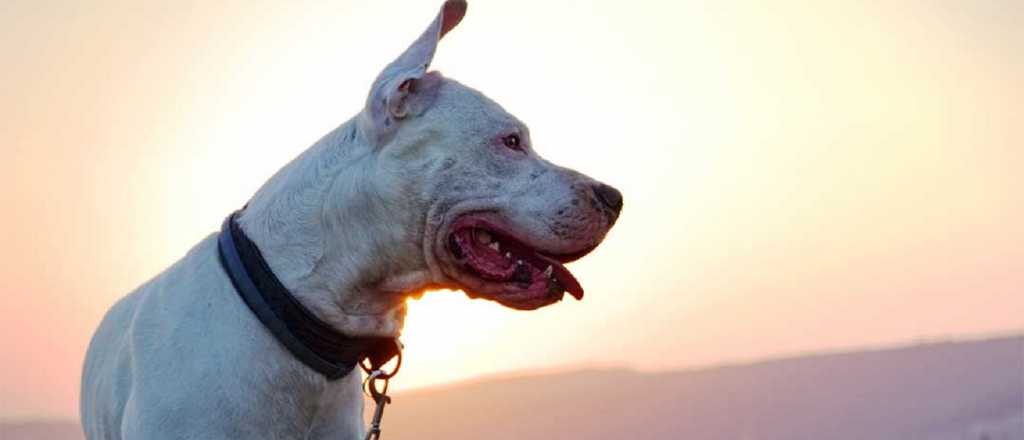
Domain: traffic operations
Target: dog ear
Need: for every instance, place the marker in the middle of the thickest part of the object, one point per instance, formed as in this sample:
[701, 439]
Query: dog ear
[404, 88]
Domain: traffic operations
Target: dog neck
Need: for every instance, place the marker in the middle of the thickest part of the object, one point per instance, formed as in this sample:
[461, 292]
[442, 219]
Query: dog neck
[329, 232]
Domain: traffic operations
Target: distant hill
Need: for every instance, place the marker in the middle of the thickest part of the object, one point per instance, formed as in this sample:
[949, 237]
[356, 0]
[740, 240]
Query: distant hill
[954, 391]
[41, 431]
[941, 391]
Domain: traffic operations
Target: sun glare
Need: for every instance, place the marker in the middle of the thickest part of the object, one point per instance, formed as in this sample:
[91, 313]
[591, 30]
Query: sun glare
[442, 328]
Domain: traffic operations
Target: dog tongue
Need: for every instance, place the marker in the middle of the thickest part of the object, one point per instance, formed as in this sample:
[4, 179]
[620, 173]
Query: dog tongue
[564, 277]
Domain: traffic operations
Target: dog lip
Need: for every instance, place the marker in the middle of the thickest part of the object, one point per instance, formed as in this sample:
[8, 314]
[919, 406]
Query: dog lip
[478, 219]
[569, 257]
[528, 279]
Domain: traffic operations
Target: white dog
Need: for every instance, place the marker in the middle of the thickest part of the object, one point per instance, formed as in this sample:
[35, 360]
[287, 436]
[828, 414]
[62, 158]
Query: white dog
[432, 185]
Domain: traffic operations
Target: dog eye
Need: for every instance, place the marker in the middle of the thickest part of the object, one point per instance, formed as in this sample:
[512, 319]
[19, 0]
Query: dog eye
[512, 141]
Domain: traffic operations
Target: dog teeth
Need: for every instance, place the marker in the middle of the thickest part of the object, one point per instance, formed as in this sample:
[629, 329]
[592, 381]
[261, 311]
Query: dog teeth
[508, 255]
[549, 271]
[519, 262]
[483, 236]
[495, 246]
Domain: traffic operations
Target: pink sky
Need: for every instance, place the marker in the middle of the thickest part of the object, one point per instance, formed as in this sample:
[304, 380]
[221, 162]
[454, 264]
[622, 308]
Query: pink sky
[796, 178]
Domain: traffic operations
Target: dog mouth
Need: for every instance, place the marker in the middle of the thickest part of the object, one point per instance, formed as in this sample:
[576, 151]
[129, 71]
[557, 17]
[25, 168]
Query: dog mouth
[495, 263]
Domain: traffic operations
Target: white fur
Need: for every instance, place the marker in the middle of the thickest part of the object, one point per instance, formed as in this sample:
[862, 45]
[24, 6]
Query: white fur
[352, 227]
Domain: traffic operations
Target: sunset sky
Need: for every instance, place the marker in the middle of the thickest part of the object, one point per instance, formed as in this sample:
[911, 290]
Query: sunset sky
[798, 176]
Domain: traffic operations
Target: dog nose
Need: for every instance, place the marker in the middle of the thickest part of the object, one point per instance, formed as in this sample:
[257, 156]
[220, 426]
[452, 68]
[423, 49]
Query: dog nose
[609, 196]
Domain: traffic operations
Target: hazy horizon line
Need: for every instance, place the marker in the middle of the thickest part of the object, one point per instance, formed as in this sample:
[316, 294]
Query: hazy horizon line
[921, 341]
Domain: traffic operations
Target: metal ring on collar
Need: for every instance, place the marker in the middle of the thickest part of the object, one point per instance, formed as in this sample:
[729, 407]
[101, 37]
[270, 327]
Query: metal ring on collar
[369, 369]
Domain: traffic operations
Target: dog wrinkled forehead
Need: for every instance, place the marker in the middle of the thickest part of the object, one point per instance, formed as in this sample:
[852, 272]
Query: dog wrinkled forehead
[469, 109]
[404, 88]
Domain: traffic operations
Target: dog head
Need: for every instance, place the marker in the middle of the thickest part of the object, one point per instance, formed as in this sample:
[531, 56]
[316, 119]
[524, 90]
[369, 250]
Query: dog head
[490, 215]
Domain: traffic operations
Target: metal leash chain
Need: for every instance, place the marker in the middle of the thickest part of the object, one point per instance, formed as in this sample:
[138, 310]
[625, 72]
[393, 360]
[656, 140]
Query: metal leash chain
[376, 387]
[380, 398]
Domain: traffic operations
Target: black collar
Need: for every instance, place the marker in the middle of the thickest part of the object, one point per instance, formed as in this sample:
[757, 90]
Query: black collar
[309, 339]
